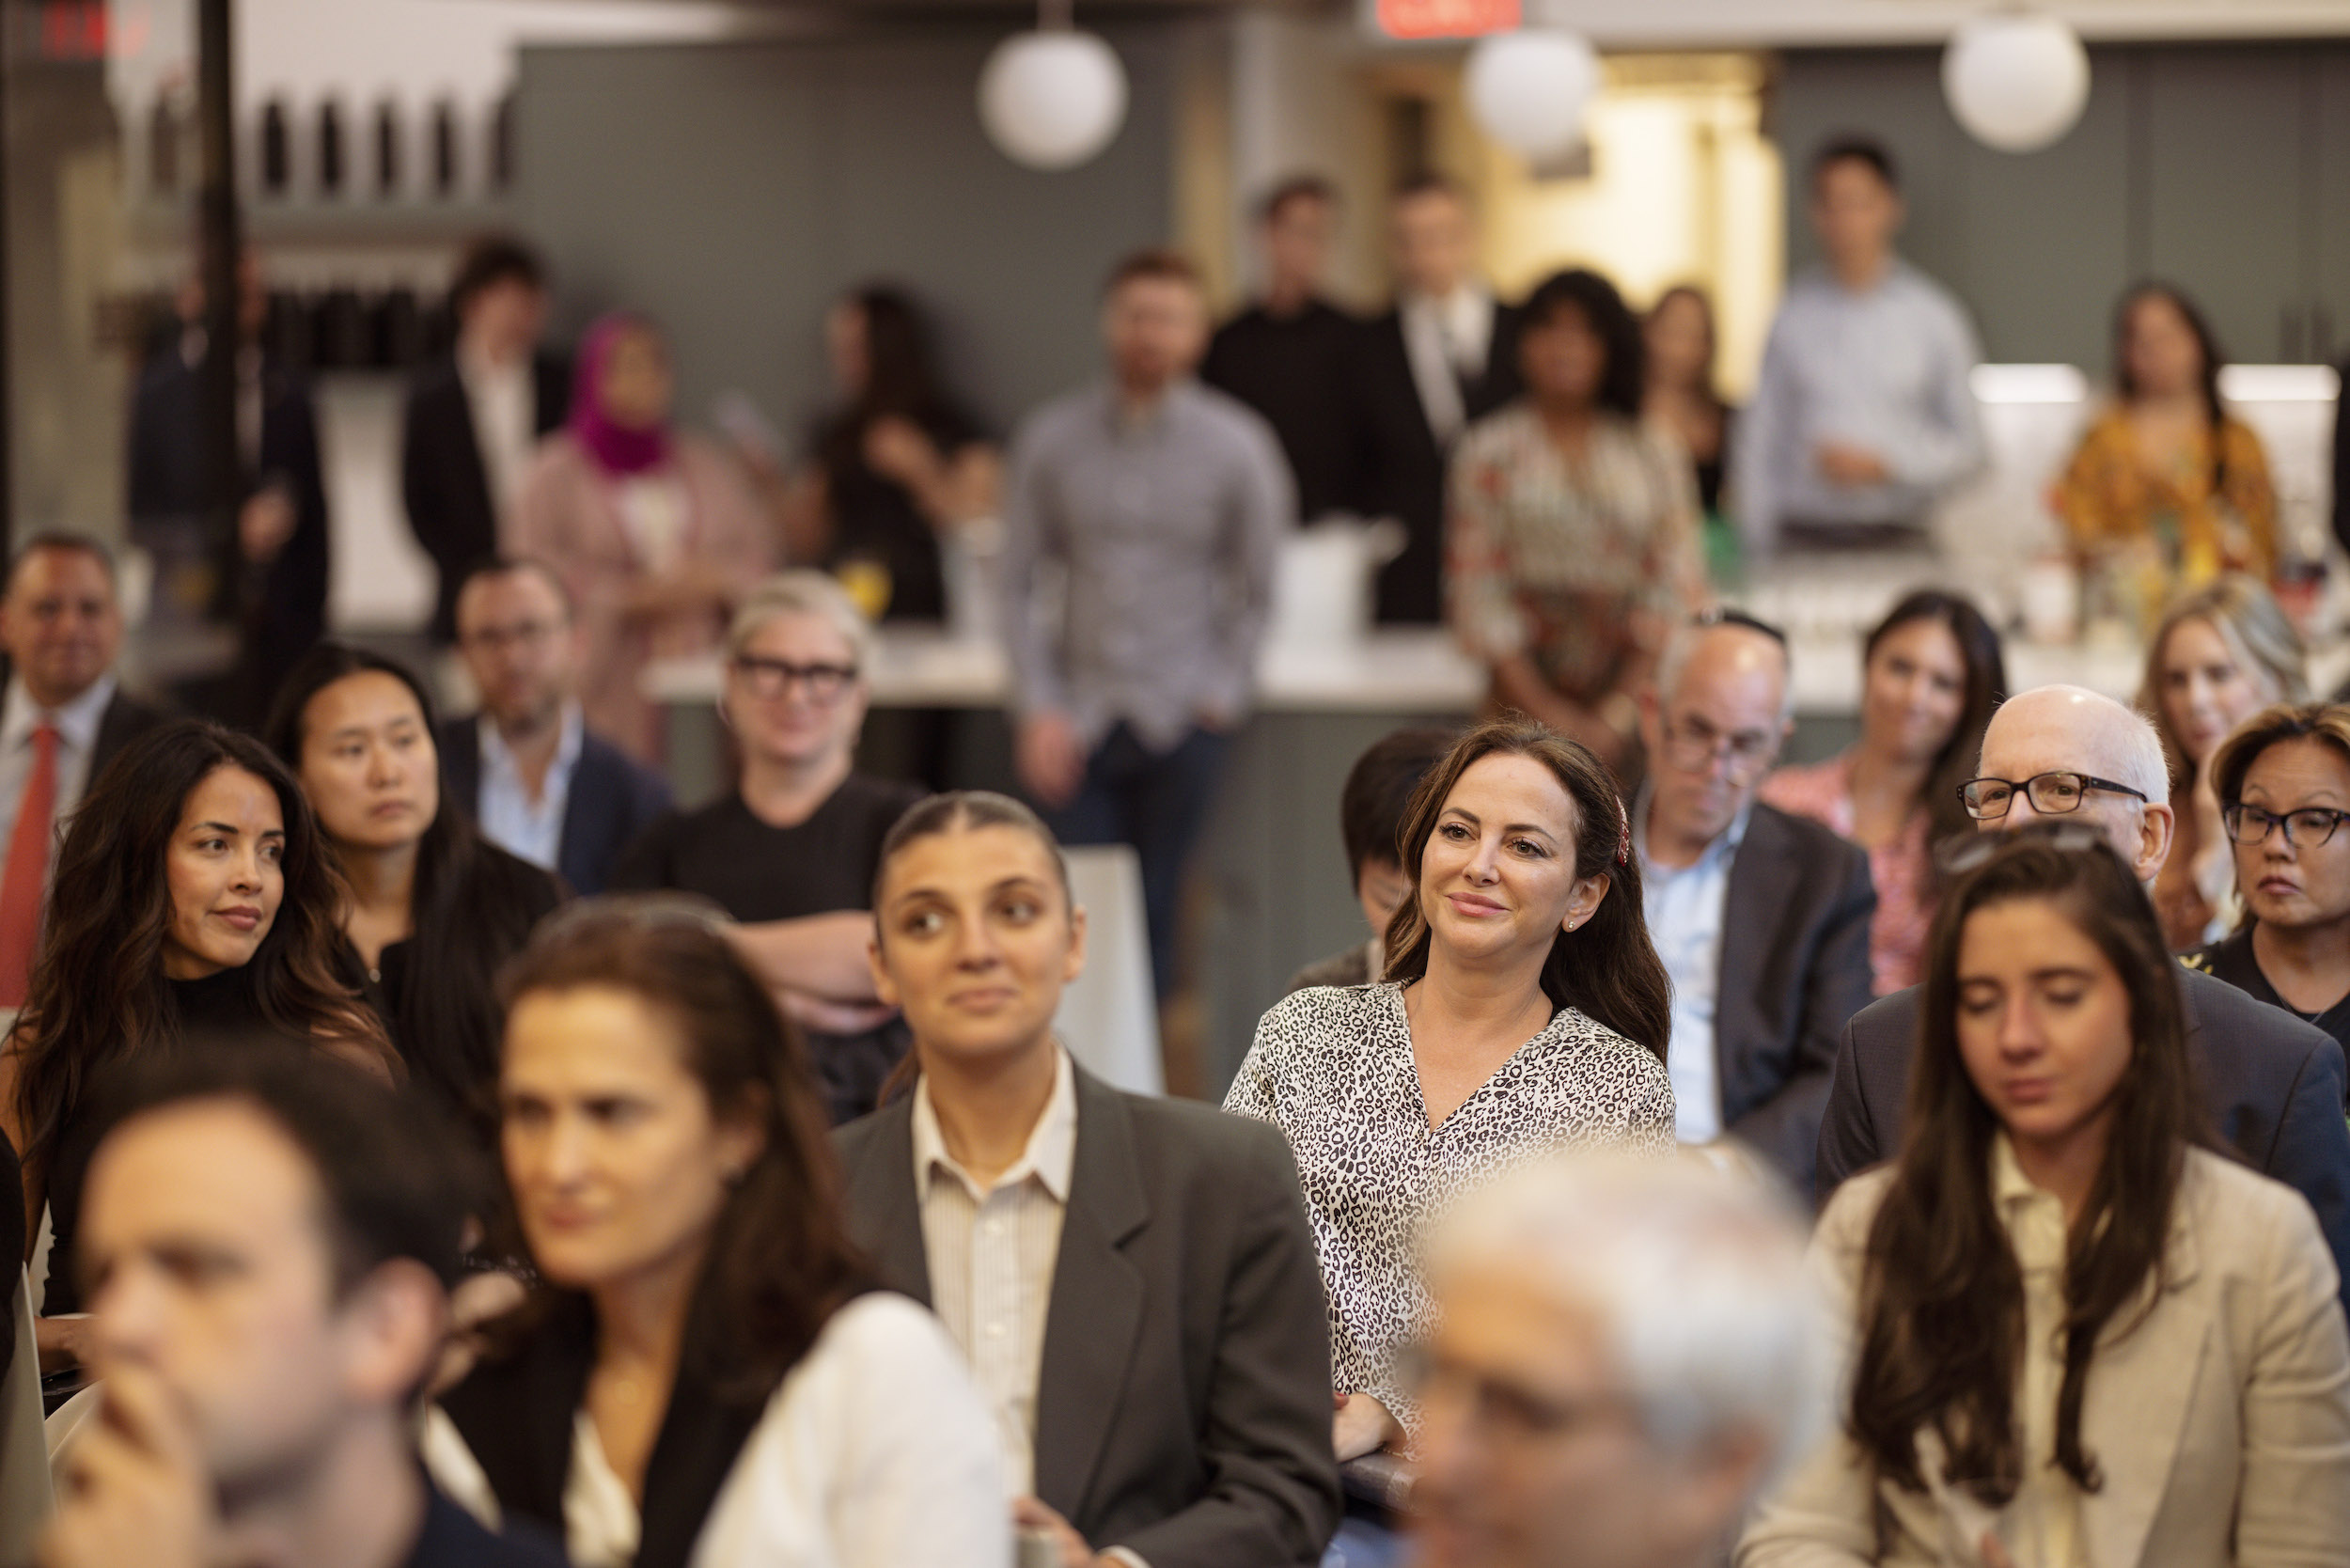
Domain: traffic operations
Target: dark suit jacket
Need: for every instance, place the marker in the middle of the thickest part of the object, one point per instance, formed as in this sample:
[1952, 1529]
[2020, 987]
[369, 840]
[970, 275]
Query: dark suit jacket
[2272, 1085]
[1794, 967]
[444, 480]
[1184, 1403]
[614, 798]
[1398, 466]
[125, 720]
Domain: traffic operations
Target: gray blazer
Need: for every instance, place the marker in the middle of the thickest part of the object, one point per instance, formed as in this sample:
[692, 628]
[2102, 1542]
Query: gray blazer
[1184, 1403]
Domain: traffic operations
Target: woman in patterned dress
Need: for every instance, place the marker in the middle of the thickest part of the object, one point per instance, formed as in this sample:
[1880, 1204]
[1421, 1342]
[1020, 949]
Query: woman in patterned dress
[1524, 1008]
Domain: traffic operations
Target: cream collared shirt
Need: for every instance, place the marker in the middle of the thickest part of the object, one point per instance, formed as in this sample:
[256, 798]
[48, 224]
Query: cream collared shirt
[2042, 1523]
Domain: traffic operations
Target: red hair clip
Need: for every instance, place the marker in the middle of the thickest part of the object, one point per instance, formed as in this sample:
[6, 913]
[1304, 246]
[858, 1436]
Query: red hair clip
[1624, 833]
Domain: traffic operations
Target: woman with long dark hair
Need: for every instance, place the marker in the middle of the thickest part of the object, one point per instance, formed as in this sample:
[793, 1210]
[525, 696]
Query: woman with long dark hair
[196, 895]
[1572, 536]
[704, 1375]
[435, 908]
[2080, 1336]
[1930, 673]
[1682, 395]
[1522, 1008]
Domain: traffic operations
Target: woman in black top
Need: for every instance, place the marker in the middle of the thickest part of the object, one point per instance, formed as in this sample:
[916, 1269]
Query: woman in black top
[435, 908]
[194, 897]
[2283, 783]
[792, 852]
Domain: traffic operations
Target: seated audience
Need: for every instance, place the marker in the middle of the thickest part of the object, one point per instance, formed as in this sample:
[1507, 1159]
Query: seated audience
[270, 1243]
[2285, 779]
[474, 418]
[1372, 810]
[63, 716]
[792, 851]
[1009, 1190]
[2271, 1086]
[2167, 490]
[1624, 1353]
[2076, 1333]
[541, 785]
[434, 909]
[205, 903]
[705, 1374]
[1524, 1008]
[1930, 673]
[1680, 396]
[653, 533]
[2222, 654]
[1762, 918]
[1572, 544]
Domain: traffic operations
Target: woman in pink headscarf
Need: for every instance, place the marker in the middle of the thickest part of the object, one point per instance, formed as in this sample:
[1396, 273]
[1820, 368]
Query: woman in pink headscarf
[652, 529]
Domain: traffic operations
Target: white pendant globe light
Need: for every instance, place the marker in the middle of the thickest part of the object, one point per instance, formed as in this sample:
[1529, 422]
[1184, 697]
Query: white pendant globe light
[1528, 89]
[1052, 98]
[2017, 81]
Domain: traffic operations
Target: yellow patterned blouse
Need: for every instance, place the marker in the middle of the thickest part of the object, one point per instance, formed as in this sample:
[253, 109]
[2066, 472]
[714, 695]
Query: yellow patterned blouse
[2111, 496]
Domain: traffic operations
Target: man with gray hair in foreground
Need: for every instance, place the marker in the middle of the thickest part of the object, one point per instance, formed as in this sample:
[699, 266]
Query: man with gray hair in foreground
[1628, 1351]
[2272, 1085]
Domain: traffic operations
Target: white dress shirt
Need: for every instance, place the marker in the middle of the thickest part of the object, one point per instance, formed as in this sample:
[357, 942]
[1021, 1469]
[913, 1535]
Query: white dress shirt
[532, 830]
[76, 725]
[1685, 906]
[504, 402]
[1446, 340]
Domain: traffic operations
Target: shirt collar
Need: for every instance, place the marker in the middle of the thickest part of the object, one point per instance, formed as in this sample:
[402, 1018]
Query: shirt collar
[1050, 1158]
[496, 758]
[1169, 404]
[77, 721]
[1724, 845]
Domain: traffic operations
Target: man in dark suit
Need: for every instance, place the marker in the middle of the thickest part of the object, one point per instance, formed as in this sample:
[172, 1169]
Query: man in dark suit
[474, 418]
[1134, 1279]
[1445, 355]
[2273, 1085]
[1760, 917]
[541, 785]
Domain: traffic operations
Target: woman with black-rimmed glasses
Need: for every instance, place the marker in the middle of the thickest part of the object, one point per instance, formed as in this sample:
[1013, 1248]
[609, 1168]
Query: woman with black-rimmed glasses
[2283, 782]
[790, 851]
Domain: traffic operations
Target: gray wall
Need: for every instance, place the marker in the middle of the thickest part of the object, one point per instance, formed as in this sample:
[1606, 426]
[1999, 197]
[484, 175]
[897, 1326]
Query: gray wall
[735, 190]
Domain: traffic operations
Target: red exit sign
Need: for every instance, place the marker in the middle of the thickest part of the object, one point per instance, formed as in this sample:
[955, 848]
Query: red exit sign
[1446, 19]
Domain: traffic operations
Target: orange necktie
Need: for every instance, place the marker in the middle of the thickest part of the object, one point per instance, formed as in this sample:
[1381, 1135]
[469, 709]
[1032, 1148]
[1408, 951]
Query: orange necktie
[28, 870]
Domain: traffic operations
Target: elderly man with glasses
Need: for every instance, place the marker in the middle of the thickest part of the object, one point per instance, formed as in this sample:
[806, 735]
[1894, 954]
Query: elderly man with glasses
[2272, 1085]
[1762, 917]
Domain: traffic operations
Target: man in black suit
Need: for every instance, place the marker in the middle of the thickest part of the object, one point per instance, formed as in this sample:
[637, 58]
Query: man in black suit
[538, 783]
[1762, 917]
[1444, 355]
[2273, 1085]
[474, 418]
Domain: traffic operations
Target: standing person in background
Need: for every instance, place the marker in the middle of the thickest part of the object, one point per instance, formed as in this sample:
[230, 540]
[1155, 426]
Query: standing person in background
[1372, 810]
[1572, 540]
[1287, 355]
[2219, 656]
[1930, 673]
[1444, 354]
[2167, 490]
[1862, 419]
[1681, 395]
[651, 531]
[1163, 502]
[474, 418]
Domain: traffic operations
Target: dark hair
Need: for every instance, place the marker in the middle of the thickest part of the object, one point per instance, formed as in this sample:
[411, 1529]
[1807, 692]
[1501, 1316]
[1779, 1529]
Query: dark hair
[963, 810]
[1156, 265]
[1608, 970]
[2327, 723]
[472, 904]
[1378, 793]
[902, 373]
[1297, 187]
[1941, 1316]
[1985, 688]
[491, 260]
[519, 566]
[99, 997]
[1429, 184]
[1603, 310]
[57, 538]
[780, 1261]
[1854, 148]
[2206, 345]
[1704, 301]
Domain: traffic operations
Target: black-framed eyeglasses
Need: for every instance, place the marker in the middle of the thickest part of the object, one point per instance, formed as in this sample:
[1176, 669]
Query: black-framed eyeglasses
[2305, 828]
[1693, 744]
[773, 677]
[2051, 794]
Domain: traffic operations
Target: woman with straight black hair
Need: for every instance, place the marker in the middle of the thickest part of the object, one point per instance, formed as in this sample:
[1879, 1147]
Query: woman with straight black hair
[435, 908]
[1522, 1009]
[2079, 1335]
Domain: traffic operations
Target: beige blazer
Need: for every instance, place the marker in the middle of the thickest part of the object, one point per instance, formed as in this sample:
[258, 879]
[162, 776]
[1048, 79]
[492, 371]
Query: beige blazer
[2222, 1422]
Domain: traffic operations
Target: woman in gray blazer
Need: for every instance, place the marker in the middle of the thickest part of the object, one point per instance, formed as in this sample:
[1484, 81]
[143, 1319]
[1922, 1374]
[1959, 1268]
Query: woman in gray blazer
[2079, 1335]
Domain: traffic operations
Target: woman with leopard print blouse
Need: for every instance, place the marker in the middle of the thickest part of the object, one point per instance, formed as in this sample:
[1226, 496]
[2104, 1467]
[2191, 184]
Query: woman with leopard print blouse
[1524, 1010]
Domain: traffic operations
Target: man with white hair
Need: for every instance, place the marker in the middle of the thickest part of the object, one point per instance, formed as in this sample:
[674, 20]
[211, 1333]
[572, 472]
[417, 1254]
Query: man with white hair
[1627, 1353]
[2272, 1085]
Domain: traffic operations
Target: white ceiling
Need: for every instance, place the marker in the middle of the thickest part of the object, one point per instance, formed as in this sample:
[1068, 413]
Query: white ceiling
[1686, 24]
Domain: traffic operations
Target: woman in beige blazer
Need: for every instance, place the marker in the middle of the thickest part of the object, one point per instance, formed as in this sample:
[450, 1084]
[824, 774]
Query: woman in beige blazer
[2078, 1337]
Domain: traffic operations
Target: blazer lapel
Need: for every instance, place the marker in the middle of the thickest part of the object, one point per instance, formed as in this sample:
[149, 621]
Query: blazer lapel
[1096, 1307]
[1751, 909]
[885, 1211]
[2134, 1411]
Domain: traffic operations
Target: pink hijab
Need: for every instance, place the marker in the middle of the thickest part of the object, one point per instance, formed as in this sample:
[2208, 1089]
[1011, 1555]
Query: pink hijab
[619, 450]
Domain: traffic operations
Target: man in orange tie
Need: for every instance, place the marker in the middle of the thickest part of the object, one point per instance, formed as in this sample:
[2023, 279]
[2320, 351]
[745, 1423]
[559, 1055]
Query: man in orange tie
[62, 718]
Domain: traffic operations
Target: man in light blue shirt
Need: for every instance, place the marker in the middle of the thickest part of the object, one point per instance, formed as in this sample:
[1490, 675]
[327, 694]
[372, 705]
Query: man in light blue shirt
[1863, 417]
